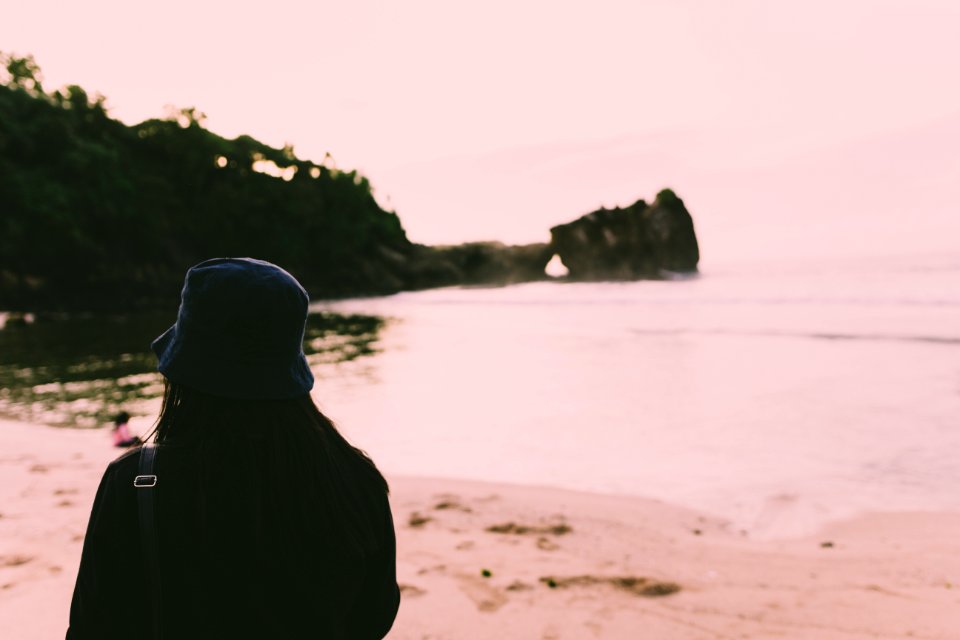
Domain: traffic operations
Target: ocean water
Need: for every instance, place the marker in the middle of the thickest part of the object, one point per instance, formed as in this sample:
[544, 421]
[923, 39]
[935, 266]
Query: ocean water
[776, 397]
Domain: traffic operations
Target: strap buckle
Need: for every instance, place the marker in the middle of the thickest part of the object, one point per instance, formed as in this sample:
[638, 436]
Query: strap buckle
[145, 482]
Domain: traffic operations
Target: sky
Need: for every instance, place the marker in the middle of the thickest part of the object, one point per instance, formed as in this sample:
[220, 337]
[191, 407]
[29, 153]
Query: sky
[498, 119]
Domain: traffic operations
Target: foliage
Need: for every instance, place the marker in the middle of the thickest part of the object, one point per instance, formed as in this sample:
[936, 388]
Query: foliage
[667, 197]
[95, 212]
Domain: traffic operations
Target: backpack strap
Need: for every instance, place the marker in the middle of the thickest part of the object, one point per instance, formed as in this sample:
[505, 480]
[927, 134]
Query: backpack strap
[146, 483]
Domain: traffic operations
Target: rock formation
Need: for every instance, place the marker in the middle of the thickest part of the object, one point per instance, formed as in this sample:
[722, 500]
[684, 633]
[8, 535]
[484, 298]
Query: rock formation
[639, 241]
[476, 263]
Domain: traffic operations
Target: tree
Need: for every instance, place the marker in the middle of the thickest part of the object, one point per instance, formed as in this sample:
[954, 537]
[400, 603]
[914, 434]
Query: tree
[96, 212]
[22, 73]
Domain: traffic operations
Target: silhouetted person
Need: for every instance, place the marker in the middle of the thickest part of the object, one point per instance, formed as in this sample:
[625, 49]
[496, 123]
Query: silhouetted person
[121, 431]
[269, 524]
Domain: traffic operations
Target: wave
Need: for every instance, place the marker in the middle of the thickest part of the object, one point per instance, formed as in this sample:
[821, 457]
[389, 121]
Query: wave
[814, 335]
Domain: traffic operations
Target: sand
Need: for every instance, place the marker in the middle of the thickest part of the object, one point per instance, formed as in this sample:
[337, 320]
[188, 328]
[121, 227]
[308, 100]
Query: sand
[479, 560]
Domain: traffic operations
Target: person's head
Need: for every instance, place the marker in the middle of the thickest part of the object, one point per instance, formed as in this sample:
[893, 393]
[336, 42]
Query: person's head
[239, 332]
[121, 418]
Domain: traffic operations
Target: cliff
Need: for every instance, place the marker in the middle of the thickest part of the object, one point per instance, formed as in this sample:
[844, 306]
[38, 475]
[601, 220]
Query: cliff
[101, 215]
[635, 242]
[639, 241]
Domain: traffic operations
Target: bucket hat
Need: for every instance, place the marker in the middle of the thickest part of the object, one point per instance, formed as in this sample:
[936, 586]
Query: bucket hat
[239, 332]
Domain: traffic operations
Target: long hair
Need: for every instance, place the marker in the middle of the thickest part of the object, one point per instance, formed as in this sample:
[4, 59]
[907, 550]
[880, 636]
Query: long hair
[280, 467]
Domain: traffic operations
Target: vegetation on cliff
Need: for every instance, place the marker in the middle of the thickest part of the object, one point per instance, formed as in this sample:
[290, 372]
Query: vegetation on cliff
[99, 214]
[96, 212]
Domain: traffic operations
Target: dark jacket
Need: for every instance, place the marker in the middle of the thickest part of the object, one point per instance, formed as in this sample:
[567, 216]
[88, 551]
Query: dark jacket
[229, 569]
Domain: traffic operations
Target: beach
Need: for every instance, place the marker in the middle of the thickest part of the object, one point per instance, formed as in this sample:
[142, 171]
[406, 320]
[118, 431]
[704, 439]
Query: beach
[490, 560]
[646, 346]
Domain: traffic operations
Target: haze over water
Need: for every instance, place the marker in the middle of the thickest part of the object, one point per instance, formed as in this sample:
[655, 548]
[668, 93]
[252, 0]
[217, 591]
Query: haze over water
[779, 398]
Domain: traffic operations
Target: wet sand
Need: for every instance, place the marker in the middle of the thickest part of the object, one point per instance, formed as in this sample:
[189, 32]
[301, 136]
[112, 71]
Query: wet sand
[482, 560]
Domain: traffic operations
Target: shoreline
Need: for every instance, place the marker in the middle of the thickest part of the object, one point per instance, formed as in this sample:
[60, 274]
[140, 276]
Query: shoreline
[481, 559]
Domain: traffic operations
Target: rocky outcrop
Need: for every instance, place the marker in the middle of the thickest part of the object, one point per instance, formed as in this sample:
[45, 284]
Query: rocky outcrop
[639, 241]
[476, 263]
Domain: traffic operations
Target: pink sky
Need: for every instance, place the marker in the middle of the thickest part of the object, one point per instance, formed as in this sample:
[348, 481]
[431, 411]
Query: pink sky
[498, 119]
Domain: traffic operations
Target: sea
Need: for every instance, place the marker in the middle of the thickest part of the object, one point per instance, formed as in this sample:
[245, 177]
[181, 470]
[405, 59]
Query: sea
[777, 397]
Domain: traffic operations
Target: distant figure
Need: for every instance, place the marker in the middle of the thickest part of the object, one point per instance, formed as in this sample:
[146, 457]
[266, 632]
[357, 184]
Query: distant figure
[268, 523]
[121, 432]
